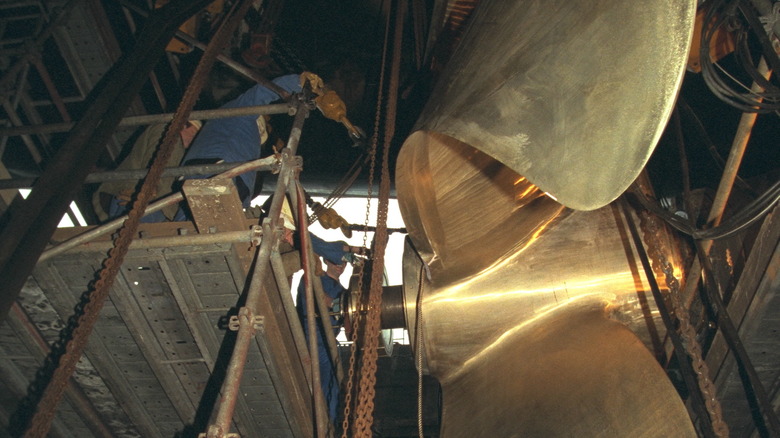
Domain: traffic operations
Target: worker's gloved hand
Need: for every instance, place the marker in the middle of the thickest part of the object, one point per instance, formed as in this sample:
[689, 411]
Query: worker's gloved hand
[336, 306]
[356, 255]
[353, 259]
[315, 83]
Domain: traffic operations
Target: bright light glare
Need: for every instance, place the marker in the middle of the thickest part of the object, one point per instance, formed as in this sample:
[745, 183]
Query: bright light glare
[65, 222]
[354, 211]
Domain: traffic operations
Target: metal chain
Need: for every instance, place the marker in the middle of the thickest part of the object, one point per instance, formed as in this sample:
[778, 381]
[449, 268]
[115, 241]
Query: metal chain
[74, 348]
[365, 409]
[358, 314]
[652, 226]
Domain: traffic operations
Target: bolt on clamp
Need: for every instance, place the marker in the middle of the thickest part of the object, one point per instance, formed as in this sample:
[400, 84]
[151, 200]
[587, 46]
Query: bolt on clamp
[245, 316]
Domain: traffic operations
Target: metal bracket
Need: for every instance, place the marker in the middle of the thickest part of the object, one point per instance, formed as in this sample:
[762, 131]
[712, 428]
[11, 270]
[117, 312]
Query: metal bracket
[294, 162]
[245, 316]
[256, 236]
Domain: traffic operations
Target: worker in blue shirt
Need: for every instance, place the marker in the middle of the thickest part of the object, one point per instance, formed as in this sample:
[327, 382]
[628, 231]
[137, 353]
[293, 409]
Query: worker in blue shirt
[238, 139]
[333, 291]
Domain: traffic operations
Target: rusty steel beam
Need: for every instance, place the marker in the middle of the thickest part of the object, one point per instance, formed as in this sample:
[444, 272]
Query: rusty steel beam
[236, 66]
[244, 236]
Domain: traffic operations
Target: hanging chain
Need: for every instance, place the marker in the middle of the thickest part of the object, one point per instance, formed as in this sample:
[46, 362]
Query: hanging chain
[74, 348]
[652, 226]
[358, 314]
[365, 409]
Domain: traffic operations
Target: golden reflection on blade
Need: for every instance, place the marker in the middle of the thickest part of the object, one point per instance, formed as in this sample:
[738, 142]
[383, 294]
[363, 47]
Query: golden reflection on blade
[540, 314]
[517, 288]
[612, 283]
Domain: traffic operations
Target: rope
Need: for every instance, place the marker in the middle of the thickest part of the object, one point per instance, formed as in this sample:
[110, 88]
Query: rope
[74, 348]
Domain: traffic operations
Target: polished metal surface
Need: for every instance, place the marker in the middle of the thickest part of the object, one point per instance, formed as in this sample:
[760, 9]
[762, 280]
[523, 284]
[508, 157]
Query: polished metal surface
[569, 372]
[533, 308]
[573, 95]
[392, 315]
[535, 316]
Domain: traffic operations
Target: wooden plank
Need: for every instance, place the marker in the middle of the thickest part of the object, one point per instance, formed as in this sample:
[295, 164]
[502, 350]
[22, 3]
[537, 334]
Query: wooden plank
[87, 379]
[162, 331]
[762, 261]
[153, 319]
[182, 272]
[106, 362]
[215, 206]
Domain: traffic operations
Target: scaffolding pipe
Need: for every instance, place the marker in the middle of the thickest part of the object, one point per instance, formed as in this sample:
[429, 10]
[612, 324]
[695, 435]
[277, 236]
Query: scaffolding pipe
[330, 338]
[738, 147]
[174, 198]
[135, 175]
[56, 98]
[221, 113]
[242, 236]
[235, 371]
[259, 274]
[311, 322]
[31, 223]
[236, 66]
[319, 293]
[280, 274]
[38, 42]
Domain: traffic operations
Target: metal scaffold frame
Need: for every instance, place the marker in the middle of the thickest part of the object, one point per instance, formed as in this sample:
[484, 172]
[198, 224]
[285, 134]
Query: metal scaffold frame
[247, 320]
[267, 255]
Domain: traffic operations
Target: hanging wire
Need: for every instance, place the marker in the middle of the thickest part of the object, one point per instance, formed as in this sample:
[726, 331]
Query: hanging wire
[740, 221]
[345, 184]
[351, 390]
[703, 136]
[739, 18]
